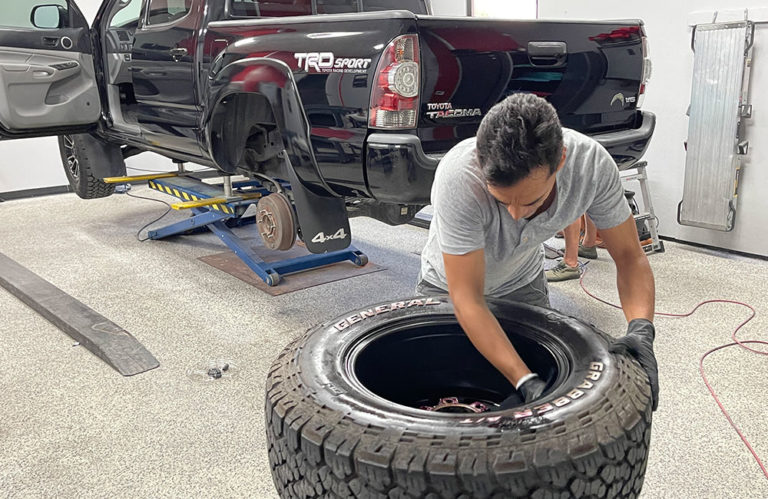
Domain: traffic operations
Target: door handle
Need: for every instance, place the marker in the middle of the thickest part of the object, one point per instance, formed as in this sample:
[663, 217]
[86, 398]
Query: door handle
[551, 54]
[50, 41]
[177, 53]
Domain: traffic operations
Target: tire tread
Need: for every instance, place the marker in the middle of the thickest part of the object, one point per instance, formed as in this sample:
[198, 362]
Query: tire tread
[317, 452]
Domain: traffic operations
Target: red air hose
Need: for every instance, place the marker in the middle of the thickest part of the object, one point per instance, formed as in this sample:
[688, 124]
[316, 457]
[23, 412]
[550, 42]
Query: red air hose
[736, 341]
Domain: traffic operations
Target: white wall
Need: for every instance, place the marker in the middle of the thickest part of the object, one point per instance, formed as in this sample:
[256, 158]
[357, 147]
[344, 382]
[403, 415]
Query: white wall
[668, 96]
[449, 7]
[35, 163]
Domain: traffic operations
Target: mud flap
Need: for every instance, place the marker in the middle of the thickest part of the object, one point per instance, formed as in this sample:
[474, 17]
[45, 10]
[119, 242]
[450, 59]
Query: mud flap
[323, 220]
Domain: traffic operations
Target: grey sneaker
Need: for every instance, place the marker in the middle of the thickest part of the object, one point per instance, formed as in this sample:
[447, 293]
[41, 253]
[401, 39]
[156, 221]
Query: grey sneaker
[589, 252]
[562, 272]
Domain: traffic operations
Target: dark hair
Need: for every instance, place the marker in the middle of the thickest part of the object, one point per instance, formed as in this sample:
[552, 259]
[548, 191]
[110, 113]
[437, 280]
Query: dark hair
[519, 134]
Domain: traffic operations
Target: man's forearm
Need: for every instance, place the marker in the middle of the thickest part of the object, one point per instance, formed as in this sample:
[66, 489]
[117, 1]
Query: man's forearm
[636, 289]
[486, 335]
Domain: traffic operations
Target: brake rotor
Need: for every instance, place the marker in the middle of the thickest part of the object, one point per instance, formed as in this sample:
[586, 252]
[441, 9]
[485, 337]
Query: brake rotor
[276, 222]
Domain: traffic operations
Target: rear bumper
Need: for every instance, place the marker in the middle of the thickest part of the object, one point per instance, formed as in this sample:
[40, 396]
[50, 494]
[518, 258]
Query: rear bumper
[628, 146]
[397, 169]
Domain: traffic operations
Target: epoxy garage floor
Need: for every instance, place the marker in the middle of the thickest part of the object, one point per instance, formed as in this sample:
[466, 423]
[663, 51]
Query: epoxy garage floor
[70, 426]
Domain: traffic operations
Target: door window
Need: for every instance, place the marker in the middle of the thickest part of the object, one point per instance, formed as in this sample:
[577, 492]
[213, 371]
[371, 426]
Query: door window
[167, 11]
[127, 15]
[19, 14]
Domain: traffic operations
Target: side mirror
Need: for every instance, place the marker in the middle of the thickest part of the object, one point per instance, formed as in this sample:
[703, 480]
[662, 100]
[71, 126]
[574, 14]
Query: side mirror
[48, 16]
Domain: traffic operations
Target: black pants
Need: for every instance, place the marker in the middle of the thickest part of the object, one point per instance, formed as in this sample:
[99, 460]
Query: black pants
[535, 292]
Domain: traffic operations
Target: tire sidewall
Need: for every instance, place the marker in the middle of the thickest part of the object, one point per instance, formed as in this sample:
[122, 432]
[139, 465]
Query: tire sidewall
[324, 355]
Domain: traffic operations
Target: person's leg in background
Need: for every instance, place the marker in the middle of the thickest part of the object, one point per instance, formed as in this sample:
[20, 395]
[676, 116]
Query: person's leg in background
[588, 246]
[568, 267]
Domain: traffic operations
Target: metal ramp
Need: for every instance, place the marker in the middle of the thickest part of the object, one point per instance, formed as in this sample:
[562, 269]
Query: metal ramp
[719, 103]
[105, 339]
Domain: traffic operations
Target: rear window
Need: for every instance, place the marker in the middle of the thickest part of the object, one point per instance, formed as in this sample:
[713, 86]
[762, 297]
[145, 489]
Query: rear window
[167, 11]
[337, 6]
[284, 8]
[415, 6]
[271, 8]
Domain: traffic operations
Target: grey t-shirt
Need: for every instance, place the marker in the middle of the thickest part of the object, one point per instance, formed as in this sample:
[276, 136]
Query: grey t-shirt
[467, 218]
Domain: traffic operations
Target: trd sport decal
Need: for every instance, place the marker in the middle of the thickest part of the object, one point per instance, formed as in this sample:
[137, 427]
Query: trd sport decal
[327, 62]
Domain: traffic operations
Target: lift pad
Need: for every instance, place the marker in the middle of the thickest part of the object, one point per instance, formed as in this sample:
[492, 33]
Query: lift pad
[199, 203]
[137, 178]
[105, 339]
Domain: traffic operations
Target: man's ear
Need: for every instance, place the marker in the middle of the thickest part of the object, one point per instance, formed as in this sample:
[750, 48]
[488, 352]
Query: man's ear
[562, 161]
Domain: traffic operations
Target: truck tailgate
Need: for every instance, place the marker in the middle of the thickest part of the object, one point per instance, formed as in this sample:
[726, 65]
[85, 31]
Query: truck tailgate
[590, 71]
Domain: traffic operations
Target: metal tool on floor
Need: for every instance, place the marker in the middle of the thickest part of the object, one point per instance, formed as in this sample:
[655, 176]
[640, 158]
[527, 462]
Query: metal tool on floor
[220, 207]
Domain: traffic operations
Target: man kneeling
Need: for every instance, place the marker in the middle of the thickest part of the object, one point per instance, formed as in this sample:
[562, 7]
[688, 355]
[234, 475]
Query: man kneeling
[497, 198]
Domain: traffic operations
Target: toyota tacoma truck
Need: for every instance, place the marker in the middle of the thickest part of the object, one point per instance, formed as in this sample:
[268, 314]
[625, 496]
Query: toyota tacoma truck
[351, 103]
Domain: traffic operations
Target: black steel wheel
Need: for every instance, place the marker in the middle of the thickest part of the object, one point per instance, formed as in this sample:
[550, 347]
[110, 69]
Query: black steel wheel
[78, 156]
[394, 401]
[276, 222]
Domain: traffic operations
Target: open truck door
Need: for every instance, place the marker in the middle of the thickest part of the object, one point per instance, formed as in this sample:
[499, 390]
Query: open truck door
[47, 81]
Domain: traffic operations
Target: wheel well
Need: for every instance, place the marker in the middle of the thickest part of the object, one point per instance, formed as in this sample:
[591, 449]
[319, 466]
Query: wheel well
[244, 135]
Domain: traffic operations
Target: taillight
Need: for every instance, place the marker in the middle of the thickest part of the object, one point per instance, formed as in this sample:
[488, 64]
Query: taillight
[395, 96]
[646, 71]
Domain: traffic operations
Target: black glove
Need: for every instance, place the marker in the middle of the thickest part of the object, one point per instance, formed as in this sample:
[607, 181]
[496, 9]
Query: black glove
[532, 388]
[638, 343]
[529, 391]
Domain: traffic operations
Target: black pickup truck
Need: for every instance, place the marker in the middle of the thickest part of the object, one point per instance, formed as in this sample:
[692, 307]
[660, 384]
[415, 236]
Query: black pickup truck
[353, 102]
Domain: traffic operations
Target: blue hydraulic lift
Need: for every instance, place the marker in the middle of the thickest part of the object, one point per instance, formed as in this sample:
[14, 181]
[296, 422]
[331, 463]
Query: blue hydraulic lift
[218, 207]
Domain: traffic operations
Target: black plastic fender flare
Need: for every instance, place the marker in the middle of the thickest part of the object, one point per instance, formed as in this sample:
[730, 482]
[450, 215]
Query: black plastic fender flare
[272, 79]
[321, 211]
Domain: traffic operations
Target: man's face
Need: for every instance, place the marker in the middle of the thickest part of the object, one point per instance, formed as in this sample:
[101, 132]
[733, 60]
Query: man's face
[524, 198]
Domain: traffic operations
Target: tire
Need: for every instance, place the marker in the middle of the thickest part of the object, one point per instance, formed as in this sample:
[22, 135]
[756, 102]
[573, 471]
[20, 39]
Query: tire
[78, 156]
[342, 417]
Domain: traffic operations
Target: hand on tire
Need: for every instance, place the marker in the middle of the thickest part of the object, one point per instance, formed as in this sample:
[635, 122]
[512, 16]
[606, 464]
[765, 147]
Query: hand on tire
[638, 343]
[529, 391]
[532, 389]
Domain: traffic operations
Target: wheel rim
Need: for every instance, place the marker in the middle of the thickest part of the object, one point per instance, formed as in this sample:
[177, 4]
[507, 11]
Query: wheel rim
[431, 365]
[73, 164]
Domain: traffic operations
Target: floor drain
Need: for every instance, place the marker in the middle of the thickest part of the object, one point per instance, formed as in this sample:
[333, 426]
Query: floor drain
[214, 371]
